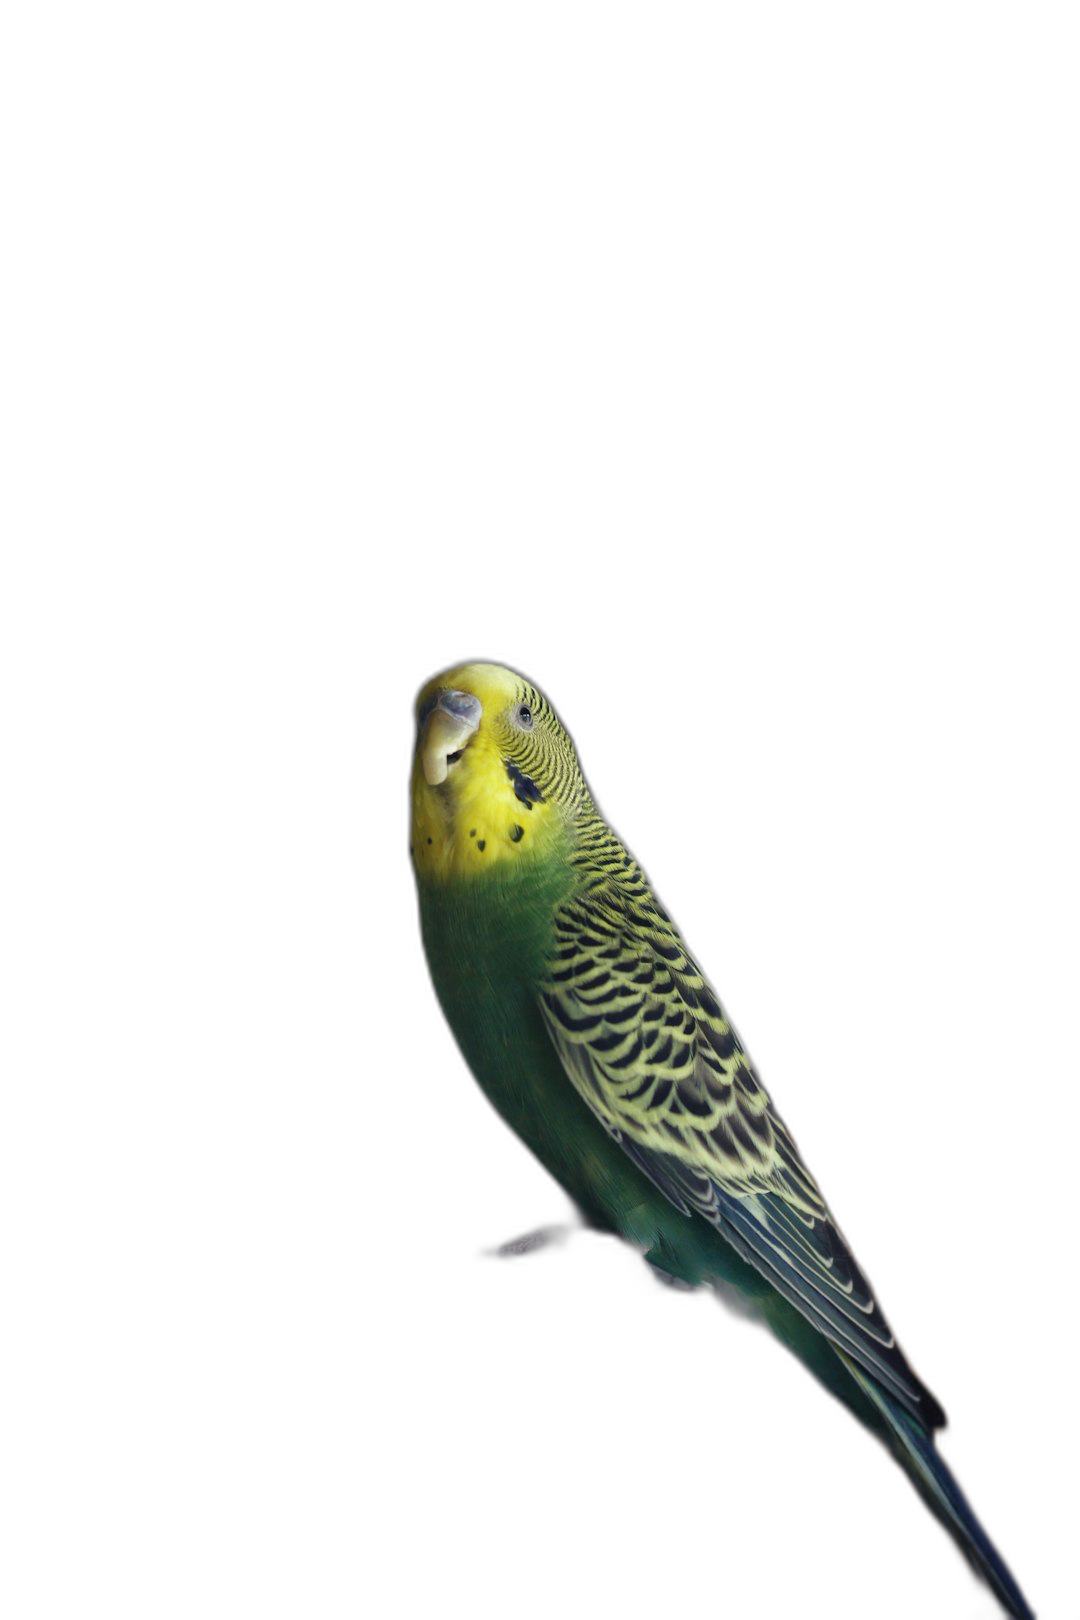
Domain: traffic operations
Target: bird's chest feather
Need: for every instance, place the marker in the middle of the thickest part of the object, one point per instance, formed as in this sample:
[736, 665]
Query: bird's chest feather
[489, 949]
[489, 941]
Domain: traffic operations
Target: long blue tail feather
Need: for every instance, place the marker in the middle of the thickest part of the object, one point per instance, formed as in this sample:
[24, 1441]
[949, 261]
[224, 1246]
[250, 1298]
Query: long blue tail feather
[914, 1449]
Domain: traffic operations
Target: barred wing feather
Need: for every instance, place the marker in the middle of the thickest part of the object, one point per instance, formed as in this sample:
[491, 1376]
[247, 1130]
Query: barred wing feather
[649, 1048]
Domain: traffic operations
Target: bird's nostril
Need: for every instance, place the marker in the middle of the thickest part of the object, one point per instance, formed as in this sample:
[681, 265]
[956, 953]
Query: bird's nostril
[462, 705]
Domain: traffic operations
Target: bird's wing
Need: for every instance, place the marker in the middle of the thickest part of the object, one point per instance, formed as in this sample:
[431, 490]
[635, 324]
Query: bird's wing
[649, 1047]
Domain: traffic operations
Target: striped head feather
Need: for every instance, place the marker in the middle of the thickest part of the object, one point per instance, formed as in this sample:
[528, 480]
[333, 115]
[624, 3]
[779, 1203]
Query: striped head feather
[495, 777]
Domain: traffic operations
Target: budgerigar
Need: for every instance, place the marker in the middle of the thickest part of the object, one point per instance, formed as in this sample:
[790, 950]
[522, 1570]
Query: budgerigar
[599, 1040]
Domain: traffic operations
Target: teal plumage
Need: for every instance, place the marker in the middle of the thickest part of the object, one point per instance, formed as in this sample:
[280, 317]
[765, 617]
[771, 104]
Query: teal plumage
[597, 1037]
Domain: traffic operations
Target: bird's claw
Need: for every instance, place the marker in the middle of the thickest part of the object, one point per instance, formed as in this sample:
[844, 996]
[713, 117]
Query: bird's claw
[529, 1242]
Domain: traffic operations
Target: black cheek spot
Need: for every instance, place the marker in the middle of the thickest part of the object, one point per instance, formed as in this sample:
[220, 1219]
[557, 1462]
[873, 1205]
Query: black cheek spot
[429, 840]
[525, 789]
[481, 843]
[516, 834]
[472, 832]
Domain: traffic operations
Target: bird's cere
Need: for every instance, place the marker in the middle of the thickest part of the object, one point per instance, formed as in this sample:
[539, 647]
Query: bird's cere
[449, 725]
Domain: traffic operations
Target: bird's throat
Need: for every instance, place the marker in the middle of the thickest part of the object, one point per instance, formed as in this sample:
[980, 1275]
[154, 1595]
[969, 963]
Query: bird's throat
[484, 816]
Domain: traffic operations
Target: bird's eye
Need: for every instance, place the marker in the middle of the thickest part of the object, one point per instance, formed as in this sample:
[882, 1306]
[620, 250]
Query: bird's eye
[525, 716]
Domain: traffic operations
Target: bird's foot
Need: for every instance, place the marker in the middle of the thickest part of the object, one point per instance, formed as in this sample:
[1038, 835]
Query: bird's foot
[529, 1242]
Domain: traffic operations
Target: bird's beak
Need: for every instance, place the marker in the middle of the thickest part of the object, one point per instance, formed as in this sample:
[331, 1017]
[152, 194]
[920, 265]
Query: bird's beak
[445, 731]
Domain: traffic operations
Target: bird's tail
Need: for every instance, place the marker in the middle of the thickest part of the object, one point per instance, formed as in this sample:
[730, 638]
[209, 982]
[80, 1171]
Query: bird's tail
[916, 1453]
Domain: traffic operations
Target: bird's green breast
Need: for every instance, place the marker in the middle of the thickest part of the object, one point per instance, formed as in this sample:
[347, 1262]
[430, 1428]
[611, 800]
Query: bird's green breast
[488, 940]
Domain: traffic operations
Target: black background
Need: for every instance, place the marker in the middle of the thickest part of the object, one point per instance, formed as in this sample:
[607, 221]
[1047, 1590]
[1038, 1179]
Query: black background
[821, 767]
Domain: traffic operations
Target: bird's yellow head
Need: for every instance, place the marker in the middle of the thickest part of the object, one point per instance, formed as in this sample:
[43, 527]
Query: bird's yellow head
[495, 777]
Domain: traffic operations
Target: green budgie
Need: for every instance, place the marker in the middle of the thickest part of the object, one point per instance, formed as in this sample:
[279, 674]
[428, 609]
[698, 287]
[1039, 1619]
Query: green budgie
[599, 1040]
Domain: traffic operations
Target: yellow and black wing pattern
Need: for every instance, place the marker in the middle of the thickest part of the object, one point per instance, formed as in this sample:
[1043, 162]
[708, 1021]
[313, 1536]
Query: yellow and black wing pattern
[649, 1048]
